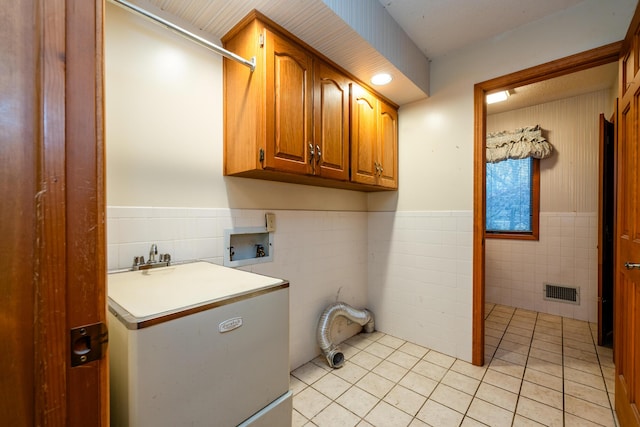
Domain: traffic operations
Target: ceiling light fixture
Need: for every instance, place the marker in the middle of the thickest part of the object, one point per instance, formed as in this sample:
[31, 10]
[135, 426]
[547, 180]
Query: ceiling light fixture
[381, 79]
[492, 98]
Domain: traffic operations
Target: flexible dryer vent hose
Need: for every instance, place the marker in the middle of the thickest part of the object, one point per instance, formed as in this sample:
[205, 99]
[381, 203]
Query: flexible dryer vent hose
[332, 352]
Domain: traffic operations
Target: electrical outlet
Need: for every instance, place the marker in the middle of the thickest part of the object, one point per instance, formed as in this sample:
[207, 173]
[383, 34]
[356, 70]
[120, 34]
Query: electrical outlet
[270, 219]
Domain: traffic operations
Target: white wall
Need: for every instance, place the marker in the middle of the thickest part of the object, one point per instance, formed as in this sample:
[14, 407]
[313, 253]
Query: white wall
[565, 255]
[164, 150]
[323, 255]
[165, 183]
[569, 178]
[436, 134]
[566, 252]
[164, 128]
[436, 150]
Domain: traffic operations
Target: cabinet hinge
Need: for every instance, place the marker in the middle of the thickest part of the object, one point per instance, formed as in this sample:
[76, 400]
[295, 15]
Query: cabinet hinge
[261, 40]
[261, 155]
[87, 343]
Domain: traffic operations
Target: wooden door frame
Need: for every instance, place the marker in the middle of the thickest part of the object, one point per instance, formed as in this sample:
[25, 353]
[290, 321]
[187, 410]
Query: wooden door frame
[85, 204]
[602, 195]
[54, 278]
[581, 61]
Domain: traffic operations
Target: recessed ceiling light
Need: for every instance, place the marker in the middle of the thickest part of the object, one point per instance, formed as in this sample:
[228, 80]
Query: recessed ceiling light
[381, 79]
[492, 98]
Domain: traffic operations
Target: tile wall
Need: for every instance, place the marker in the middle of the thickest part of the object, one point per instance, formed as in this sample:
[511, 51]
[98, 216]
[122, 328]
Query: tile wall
[412, 269]
[322, 254]
[566, 254]
[420, 277]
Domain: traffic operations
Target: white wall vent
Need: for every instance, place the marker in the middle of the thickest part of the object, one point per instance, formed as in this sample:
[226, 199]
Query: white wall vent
[569, 294]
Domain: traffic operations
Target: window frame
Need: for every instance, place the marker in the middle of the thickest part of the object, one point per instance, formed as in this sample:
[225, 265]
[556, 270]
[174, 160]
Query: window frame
[534, 234]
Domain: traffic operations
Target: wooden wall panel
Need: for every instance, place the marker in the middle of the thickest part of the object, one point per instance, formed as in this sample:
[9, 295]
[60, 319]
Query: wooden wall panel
[569, 178]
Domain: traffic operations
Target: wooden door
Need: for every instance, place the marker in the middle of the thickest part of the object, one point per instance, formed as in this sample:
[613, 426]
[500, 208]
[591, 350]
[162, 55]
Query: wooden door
[331, 122]
[52, 254]
[364, 136]
[289, 92]
[606, 223]
[387, 145]
[627, 286]
[18, 186]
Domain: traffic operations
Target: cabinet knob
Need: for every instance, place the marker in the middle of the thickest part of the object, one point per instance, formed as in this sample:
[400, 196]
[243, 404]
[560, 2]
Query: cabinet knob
[318, 153]
[311, 153]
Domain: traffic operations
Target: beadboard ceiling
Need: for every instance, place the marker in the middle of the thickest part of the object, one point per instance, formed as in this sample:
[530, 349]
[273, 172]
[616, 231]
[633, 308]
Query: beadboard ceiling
[570, 85]
[369, 36]
[318, 24]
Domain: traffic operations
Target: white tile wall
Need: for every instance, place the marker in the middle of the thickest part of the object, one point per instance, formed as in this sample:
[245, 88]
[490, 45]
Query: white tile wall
[322, 254]
[420, 277]
[566, 254]
[412, 269]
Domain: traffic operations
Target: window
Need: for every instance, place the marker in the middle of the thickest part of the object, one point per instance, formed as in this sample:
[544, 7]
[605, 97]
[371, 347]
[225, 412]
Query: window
[513, 199]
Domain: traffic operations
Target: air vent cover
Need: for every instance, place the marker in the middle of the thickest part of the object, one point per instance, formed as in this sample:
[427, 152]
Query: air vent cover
[561, 293]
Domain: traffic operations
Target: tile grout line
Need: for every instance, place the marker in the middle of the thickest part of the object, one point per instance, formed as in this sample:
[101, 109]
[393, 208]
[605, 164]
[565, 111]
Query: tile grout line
[515, 410]
[486, 370]
[413, 417]
[494, 353]
[564, 416]
[512, 317]
[606, 387]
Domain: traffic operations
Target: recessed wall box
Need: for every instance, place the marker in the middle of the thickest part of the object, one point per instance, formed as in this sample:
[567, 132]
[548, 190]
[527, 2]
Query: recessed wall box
[244, 246]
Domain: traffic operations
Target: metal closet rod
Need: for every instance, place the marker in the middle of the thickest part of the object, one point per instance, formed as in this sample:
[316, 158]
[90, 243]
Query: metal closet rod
[206, 43]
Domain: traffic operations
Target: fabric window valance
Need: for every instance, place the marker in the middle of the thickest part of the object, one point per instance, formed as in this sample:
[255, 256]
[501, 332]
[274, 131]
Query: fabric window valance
[518, 144]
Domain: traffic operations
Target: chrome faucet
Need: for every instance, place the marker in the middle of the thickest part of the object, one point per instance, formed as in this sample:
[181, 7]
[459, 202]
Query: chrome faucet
[153, 252]
[155, 260]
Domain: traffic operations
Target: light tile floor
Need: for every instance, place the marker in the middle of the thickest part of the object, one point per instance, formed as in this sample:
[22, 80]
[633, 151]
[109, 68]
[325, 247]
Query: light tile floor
[539, 370]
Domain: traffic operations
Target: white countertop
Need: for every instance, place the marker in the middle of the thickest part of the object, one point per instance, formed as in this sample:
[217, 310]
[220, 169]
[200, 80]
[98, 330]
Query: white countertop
[148, 293]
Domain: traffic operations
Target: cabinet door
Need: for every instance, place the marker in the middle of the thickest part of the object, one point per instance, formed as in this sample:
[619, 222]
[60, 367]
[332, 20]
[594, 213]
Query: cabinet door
[288, 105]
[387, 145]
[363, 135]
[331, 123]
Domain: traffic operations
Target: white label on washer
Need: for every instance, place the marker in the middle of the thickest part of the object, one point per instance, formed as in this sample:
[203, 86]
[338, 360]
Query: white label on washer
[230, 324]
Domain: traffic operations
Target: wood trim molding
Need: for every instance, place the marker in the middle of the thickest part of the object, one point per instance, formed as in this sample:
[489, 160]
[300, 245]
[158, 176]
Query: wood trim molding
[85, 203]
[581, 61]
[560, 67]
[479, 219]
[535, 208]
[50, 335]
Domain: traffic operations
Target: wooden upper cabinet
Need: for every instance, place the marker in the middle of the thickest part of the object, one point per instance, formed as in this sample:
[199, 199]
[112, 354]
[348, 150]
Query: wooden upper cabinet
[291, 118]
[374, 139]
[289, 84]
[331, 122]
[387, 145]
[363, 135]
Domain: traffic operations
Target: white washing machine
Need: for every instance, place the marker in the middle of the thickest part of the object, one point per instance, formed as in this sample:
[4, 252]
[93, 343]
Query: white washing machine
[198, 345]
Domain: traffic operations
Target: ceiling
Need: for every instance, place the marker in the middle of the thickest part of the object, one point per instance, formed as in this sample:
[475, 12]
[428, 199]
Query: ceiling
[416, 31]
[567, 86]
[439, 27]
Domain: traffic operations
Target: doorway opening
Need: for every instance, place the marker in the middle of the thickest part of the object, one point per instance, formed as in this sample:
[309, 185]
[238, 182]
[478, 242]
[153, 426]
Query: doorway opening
[582, 61]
